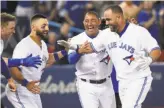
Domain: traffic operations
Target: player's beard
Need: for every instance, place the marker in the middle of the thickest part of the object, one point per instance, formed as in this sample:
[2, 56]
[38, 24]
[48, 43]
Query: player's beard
[113, 28]
[43, 36]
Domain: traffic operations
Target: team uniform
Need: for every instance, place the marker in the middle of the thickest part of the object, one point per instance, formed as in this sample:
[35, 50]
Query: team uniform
[134, 82]
[23, 98]
[94, 84]
[2, 45]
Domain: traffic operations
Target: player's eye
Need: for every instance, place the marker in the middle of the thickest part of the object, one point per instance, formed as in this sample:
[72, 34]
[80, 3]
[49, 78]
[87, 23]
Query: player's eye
[107, 19]
[93, 20]
[43, 26]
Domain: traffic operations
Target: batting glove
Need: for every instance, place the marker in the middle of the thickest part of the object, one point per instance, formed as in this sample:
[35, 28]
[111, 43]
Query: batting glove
[143, 62]
[67, 44]
[31, 61]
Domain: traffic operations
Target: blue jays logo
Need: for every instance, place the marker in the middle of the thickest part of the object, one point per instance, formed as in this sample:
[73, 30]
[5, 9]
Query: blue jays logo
[106, 60]
[129, 59]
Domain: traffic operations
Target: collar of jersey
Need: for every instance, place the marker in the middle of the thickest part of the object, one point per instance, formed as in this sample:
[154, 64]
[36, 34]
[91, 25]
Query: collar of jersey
[92, 36]
[126, 26]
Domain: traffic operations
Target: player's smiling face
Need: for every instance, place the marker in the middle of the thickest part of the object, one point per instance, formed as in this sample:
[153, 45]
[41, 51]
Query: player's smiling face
[111, 20]
[91, 24]
[9, 29]
[42, 28]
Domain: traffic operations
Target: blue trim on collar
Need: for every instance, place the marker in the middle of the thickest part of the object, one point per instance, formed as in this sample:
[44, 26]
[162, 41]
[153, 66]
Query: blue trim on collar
[122, 32]
[92, 36]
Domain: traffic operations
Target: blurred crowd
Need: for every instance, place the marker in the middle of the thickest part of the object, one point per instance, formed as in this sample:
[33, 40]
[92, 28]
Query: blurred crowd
[149, 14]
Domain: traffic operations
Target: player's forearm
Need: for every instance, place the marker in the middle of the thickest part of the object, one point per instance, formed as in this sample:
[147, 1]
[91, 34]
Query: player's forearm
[155, 54]
[10, 62]
[16, 74]
[74, 57]
[53, 57]
[60, 54]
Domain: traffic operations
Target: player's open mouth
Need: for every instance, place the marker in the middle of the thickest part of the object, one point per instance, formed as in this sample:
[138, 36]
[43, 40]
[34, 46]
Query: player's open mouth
[45, 32]
[91, 29]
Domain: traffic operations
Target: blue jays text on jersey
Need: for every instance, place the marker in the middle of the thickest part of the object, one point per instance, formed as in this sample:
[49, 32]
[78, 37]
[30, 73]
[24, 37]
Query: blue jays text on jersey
[122, 45]
[129, 48]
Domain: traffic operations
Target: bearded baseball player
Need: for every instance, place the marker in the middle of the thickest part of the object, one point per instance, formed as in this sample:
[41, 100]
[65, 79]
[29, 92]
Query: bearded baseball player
[32, 44]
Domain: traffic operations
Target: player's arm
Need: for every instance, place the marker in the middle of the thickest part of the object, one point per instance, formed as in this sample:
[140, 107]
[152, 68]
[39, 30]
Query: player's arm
[28, 61]
[151, 46]
[75, 55]
[89, 47]
[30, 85]
[155, 54]
[56, 56]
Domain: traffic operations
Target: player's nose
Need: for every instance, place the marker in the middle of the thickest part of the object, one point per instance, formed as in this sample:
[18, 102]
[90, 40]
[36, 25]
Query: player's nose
[107, 22]
[13, 31]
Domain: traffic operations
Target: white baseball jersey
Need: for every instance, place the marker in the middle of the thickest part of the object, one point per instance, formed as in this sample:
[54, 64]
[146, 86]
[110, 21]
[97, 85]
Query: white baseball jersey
[92, 66]
[26, 47]
[134, 39]
[1, 47]
[23, 97]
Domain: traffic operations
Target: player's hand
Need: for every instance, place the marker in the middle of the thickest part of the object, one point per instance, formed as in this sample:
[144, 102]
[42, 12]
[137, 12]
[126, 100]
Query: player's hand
[85, 48]
[11, 85]
[33, 87]
[32, 61]
[67, 44]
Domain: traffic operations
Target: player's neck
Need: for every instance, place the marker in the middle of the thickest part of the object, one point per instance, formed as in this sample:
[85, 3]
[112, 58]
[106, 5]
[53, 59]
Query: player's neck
[122, 26]
[36, 39]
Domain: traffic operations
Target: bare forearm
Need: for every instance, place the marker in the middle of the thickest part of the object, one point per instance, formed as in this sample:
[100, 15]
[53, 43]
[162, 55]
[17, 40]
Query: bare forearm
[155, 54]
[16, 74]
[53, 57]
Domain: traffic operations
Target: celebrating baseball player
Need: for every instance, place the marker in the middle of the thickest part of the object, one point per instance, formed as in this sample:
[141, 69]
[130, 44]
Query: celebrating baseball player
[93, 84]
[32, 44]
[132, 49]
[7, 29]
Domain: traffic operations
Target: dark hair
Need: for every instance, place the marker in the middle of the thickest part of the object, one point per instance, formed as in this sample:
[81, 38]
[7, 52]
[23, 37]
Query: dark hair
[5, 18]
[93, 13]
[37, 16]
[115, 9]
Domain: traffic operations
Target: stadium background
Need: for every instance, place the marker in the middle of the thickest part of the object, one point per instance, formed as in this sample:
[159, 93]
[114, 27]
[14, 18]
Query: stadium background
[65, 20]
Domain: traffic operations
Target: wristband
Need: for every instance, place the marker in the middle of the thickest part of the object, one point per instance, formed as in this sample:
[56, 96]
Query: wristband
[24, 82]
[56, 56]
[64, 52]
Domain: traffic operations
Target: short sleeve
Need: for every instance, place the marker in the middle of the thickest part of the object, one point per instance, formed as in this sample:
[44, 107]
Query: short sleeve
[72, 42]
[1, 47]
[148, 42]
[20, 51]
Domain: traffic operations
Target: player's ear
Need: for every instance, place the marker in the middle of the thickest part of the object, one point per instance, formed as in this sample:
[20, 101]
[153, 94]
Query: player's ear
[2, 29]
[33, 27]
[83, 22]
[99, 21]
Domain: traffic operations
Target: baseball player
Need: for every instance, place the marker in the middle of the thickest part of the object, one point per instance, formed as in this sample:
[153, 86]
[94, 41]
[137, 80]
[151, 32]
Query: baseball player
[93, 84]
[131, 51]
[32, 44]
[7, 29]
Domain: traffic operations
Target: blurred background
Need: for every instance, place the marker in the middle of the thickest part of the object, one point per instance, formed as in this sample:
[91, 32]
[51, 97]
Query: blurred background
[65, 21]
